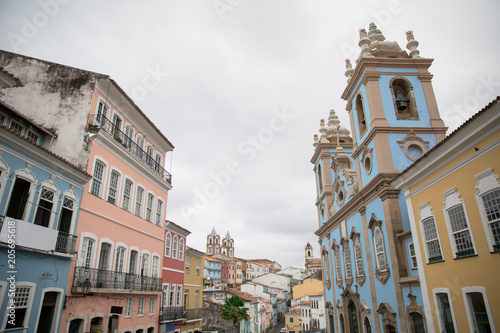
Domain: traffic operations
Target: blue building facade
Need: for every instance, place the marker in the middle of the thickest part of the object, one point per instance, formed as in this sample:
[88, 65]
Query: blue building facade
[40, 196]
[213, 271]
[370, 275]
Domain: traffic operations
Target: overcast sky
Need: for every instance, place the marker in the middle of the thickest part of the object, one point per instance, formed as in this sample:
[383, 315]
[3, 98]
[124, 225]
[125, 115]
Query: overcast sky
[239, 88]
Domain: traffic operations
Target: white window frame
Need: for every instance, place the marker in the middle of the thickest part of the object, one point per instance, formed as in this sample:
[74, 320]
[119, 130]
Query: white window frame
[55, 316]
[413, 257]
[468, 310]
[33, 134]
[425, 213]
[145, 268]
[129, 136]
[155, 265]
[152, 303]
[346, 253]
[439, 315]
[139, 141]
[101, 188]
[451, 201]
[165, 293]
[128, 306]
[27, 175]
[50, 186]
[116, 189]
[487, 182]
[82, 253]
[382, 252]
[140, 307]
[178, 296]
[150, 205]
[23, 284]
[130, 197]
[139, 201]
[188, 264]
[137, 260]
[159, 212]
[168, 244]
[175, 245]
[17, 124]
[124, 258]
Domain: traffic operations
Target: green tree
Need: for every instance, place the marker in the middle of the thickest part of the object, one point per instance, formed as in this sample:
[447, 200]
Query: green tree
[233, 310]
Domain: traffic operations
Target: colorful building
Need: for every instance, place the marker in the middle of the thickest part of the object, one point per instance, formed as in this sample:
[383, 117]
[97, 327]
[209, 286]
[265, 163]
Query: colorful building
[212, 272]
[40, 196]
[114, 282]
[172, 311]
[364, 228]
[453, 199]
[193, 291]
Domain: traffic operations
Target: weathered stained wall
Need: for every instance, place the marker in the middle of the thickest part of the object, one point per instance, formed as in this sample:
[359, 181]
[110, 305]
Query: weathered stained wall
[55, 96]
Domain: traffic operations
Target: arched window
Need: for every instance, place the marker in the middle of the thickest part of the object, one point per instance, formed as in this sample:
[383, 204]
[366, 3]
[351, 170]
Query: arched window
[149, 207]
[379, 249]
[168, 244]
[347, 259]
[138, 201]
[326, 265]
[127, 194]
[48, 195]
[114, 180]
[382, 269]
[174, 247]
[98, 179]
[353, 317]
[338, 268]
[404, 101]
[320, 178]
[360, 114]
[368, 326]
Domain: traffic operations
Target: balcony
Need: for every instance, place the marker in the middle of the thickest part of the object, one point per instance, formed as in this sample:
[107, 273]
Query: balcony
[192, 314]
[105, 279]
[172, 313]
[97, 121]
[65, 243]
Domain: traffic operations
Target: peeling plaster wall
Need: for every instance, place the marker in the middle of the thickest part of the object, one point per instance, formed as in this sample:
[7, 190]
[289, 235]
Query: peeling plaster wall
[55, 96]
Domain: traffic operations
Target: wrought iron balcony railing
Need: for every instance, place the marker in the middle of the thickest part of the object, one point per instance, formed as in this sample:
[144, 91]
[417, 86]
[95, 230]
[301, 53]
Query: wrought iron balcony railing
[98, 121]
[106, 279]
[65, 243]
[172, 313]
[193, 314]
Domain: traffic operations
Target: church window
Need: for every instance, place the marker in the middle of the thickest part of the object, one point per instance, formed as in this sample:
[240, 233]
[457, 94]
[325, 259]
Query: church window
[360, 114]
[320, 178]
[338, 268]
[326, 265]
[381, 268]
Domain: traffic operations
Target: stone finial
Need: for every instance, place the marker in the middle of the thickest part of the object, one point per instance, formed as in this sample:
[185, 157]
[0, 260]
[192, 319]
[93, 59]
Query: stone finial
[364, 43]
[316, 140]
[322, 131]
[349, 70]
[375, 34]
[412, 45]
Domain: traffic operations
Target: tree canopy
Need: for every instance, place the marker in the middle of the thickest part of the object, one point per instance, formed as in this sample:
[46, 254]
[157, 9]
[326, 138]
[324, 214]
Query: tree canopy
[233, 310]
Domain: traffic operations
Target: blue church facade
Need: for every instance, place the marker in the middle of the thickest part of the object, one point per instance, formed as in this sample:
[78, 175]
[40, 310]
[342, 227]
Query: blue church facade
[40, 196]
[370, 274]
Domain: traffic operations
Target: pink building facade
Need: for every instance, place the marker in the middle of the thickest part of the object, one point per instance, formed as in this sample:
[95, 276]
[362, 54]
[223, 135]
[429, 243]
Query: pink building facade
[174, 254]
[122, 219]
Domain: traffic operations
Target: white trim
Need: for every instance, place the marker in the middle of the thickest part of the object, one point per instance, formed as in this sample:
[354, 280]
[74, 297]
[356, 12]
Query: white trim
[443, 160]
[152, 215]
[172, 270]
[81, 252]
[486, 181]
[4, 172]
[426, 212]
[141, 210]
[118, 186]
[102, 189]
[110, 254]
[169, 254]
[125, 315]
[470, 318]
[49, 185]
[57, 307]
[438, 312]
[452, 200]
[76, 209]
[27, 315]
[132, 194]
[418, 250]
[76, 316]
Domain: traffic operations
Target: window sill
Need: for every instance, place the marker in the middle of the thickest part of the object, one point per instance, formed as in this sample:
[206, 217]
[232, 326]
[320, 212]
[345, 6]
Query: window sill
[464, 256]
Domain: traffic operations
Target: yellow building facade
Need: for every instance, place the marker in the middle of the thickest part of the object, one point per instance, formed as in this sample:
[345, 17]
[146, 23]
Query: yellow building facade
[453, 199]
[193, 291]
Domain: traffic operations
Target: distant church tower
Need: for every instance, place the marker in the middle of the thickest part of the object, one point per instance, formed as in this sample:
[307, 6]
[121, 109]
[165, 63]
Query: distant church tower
[228, 245]
[214, 245]
[308, 252]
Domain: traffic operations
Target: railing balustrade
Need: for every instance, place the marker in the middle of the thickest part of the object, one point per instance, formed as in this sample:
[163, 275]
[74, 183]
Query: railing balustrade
[172, 313]
[65, 243]
[97, 121]
[107, 279]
